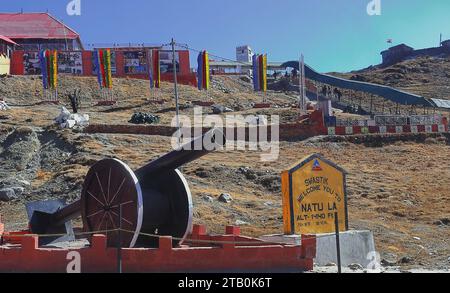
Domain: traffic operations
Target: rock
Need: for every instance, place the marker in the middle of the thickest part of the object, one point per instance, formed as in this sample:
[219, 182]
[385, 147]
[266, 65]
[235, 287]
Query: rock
[68, 120]
[249, 173]
[218, 109]
[24, 182]
[225, 198]
[383, 195]
[18, 190]
[246, 78]
[355, 267]
[270, 182]
[63, 116]
[388, 263]
[208, 198]
[4, 106]
[68, 124]
[7, 194]
[240, 223]
[445, 221]
[144, 118]
[406, 260]
[81, 120]
[202, 173]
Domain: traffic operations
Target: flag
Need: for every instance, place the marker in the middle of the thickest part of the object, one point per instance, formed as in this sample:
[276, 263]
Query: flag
[263, 73]
[97, 66]
[203, 79]
[49, 68]
[55, 69]
[103, 64]
[43, 62]
[150, 68]
[206, 70]
[102, 68]
[260, 72]
[255, 73]
[157, 69]
[108, 69]
[200, 71]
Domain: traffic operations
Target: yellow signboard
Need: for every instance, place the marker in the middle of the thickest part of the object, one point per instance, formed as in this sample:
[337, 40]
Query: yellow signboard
[313, 191]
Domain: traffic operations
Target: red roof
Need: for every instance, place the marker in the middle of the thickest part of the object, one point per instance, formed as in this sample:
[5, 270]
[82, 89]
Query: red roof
[8, 40]
[34, 26]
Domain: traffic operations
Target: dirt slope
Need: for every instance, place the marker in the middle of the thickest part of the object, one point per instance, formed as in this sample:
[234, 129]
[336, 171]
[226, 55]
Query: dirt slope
[398, 190]
[426, 76]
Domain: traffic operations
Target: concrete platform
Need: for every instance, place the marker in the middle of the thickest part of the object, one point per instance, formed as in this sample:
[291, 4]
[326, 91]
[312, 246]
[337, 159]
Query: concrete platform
[357, 247]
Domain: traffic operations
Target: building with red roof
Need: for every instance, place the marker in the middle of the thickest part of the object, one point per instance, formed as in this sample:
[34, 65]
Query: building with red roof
[6, 49]
[36, 31]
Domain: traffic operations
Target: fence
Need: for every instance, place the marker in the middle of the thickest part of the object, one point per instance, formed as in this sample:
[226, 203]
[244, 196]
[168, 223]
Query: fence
[125, 63]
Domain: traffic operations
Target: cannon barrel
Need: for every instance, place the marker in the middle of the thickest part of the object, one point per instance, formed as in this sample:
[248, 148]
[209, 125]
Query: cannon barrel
[191, 151]
[155, 199]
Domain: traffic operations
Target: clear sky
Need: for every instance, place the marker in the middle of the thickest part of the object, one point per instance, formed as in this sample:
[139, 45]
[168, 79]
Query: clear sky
[334, 35]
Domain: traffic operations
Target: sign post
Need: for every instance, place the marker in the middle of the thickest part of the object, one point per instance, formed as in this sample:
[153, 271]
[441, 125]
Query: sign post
[313, 191]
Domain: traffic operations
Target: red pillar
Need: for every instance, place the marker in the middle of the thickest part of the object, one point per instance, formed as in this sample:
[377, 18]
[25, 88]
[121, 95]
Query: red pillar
[120, 64]
[87, 63]
[185, 66]
[17, 66]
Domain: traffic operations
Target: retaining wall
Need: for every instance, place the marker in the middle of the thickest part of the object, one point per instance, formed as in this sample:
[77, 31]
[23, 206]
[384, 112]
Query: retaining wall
[260, 256]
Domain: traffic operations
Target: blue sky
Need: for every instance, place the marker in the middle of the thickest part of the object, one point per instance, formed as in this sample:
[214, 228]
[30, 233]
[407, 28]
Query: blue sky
[334, 35]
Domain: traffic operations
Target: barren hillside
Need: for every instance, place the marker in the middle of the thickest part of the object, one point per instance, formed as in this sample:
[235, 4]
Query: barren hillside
[398, 189]
[426, 76]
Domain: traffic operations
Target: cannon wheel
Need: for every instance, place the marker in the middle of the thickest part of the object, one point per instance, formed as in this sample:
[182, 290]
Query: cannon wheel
[110, 184]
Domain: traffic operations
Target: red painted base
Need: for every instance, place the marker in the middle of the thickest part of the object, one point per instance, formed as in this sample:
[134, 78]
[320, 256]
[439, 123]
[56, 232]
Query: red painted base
[106, 103]
[201, 253]
[203, 104]
[262, 106]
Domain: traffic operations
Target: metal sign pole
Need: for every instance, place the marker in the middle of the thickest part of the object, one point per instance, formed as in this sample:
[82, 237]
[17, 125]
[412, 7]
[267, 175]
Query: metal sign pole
[119, 243]
[175, 82]
[302, 82]
[338, 244]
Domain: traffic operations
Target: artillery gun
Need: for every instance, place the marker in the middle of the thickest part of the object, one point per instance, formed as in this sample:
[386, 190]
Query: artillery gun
[155, 199]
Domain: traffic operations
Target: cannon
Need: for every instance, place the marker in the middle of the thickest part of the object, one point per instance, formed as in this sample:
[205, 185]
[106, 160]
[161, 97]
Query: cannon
[155, 199]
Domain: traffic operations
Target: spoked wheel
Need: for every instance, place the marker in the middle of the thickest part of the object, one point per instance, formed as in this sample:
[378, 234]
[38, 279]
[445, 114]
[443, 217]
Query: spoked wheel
[111, 186]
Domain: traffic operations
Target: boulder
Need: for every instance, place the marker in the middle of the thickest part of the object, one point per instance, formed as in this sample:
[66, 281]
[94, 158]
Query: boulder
[4, 106]
[7, 194]
[219, 109]
[68, 120]
[225, 198]
[144, 118]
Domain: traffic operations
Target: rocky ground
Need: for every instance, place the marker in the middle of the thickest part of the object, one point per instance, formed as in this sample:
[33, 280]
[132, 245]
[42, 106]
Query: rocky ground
[426, 76]
[398, 189]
